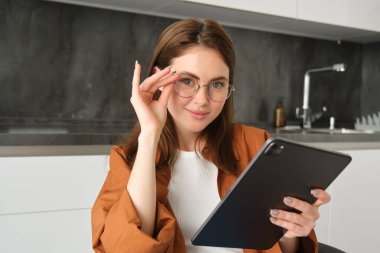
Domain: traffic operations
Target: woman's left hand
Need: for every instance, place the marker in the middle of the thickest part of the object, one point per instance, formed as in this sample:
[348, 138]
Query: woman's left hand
[300, 225]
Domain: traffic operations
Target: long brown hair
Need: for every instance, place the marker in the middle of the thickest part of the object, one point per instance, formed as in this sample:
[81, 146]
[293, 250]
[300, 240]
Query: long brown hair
[176, 38]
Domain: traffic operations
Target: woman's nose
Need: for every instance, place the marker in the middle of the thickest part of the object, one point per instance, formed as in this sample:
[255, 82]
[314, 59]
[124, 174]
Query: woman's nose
[202, 95]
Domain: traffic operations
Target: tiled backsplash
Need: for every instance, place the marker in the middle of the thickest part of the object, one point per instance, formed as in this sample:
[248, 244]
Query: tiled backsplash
[66, 62]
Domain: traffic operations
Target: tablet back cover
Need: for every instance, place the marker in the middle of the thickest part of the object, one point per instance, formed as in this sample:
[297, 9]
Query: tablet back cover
[282, 168]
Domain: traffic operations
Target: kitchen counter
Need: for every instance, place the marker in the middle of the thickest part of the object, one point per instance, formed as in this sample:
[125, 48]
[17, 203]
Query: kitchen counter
[97, 140]
[75, 134]
[74, 150]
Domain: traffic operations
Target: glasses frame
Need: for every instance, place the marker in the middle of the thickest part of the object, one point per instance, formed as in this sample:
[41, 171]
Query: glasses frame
[231, 89]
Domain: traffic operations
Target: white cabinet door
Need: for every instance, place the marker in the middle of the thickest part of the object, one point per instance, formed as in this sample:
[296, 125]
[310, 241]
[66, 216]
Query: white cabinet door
[45, 202]
[46, 232]
[33, 184]
[350, 221]
[362, 14]
[356, 206]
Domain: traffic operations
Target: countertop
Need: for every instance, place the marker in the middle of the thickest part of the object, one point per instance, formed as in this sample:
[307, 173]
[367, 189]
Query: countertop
[64, 134]
[97, 140]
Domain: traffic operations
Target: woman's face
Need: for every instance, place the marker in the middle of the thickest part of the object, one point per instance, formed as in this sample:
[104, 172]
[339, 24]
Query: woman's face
[192, 115]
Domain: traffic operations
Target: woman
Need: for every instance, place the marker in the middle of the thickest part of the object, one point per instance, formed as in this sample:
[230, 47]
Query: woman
[185, 153]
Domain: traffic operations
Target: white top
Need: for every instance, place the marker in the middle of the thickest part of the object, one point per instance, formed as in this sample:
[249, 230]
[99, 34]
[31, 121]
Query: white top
[193, 195]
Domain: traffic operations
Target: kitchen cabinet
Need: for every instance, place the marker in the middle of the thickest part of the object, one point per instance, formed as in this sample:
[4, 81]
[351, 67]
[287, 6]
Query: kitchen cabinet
[349, 222]
[346, 13]
[332, 20]
[285, 8]
[45, 202]
[349, 13]
[58, 231]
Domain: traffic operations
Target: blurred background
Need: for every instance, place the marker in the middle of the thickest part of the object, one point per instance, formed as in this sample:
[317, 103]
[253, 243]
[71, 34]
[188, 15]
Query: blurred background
[65, 83]
[72, 64]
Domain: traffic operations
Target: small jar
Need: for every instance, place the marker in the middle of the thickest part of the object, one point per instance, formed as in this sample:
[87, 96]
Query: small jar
[279, 113]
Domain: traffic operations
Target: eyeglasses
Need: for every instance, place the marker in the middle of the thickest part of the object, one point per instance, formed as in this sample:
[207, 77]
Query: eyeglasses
[218, 91]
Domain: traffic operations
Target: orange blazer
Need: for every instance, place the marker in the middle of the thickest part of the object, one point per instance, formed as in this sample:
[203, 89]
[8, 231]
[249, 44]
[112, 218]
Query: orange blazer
[116, 224]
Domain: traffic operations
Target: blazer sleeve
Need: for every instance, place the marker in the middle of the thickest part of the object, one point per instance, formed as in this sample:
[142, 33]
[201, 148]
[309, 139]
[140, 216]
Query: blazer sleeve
[309, 244]
[116, 226]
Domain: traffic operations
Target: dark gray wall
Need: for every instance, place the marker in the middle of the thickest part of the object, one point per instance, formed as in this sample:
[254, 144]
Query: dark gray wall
[370, 94]
[63, 62]
[271, 65]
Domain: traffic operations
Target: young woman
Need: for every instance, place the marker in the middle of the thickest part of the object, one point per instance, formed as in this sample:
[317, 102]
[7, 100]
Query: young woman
[185, 153]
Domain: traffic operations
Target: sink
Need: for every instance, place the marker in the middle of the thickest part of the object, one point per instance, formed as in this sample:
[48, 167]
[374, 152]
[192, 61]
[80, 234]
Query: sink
[335, 131]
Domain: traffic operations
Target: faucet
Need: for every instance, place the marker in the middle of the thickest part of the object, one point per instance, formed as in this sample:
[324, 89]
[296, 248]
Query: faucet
[306, 116]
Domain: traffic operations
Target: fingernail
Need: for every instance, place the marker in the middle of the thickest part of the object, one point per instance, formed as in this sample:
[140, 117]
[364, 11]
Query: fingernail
[288, 200]
[136, 62]
[273, 212]
[273, 219]
[314, 192]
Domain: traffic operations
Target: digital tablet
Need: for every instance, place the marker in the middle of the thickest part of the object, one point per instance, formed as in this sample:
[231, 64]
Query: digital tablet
[281, 168]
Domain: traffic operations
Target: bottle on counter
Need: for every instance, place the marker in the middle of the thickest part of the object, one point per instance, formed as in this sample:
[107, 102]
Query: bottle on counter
[279, 113]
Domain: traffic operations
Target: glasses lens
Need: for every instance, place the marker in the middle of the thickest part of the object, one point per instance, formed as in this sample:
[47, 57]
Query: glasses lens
[219, 91]
[185, 87]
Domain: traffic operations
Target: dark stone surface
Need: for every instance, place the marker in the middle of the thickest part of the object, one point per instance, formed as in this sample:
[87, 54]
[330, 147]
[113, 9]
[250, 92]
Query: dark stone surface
[69, 65]
[370, 92]
[273, 65]
[68, 62]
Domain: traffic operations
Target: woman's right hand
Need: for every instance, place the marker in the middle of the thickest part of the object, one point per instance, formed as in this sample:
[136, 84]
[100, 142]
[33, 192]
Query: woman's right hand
[152, 113]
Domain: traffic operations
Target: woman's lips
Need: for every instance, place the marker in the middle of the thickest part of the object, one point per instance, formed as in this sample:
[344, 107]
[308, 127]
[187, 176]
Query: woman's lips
[197, 114]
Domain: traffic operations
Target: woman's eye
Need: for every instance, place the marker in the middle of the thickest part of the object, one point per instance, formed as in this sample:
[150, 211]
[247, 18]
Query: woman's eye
[217, 85]
[186, 81]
